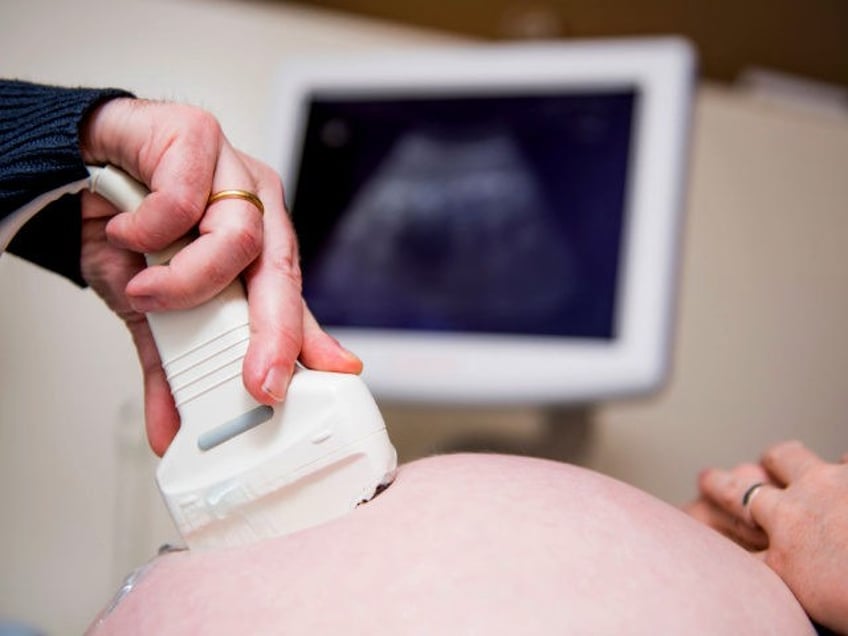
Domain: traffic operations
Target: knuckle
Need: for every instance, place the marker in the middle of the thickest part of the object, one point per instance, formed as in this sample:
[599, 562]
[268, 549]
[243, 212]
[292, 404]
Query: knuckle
[251, 238]
[218, 275]
[263, 172]
[286, 262]
[201, 123]
[186, 207]
[150, 242]
[273, 185]
[247, 243]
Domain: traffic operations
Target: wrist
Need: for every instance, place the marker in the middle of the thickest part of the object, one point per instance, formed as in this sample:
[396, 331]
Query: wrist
[97, 130]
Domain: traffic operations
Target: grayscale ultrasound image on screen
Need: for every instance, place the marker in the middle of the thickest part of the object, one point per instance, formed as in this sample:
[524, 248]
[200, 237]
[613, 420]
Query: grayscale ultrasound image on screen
[465, 214]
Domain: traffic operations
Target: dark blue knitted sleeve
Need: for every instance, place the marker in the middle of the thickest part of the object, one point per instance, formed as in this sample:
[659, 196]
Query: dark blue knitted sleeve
[39, 151]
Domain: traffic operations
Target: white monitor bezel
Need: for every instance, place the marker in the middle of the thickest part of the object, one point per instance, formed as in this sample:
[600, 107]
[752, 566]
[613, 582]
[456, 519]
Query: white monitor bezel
[462, 368]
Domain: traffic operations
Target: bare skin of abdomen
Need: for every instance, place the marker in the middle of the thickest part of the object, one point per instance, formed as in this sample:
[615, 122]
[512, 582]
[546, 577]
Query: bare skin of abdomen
[473, 544]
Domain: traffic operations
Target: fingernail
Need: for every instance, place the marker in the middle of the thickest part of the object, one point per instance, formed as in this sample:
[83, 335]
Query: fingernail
[144, 304]
[350, 354]
[347, 353]
[276, 383]
[355, 359]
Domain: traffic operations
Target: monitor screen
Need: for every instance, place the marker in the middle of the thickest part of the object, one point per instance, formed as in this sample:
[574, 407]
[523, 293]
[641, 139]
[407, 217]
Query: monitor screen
[492, 224]
[478, 213]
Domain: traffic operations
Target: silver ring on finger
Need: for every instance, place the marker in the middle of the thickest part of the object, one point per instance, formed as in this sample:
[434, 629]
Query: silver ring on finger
[748, 497]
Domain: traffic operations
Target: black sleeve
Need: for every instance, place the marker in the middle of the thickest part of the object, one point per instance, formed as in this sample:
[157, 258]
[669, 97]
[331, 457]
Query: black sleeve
[39, 151]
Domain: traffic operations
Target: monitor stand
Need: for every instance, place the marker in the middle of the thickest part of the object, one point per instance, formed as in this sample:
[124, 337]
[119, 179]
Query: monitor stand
[562, 433]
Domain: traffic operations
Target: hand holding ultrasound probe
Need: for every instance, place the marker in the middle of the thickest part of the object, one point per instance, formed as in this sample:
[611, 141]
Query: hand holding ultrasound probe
[183, 155]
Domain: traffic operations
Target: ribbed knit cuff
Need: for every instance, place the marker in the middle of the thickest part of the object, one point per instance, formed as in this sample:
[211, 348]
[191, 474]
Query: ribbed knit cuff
[40, 151]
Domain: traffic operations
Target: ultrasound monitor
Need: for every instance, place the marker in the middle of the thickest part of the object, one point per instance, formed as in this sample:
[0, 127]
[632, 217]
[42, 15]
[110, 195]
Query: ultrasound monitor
[492, 224]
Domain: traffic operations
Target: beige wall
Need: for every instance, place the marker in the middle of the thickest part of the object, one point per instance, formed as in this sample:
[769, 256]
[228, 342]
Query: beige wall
[760, 352]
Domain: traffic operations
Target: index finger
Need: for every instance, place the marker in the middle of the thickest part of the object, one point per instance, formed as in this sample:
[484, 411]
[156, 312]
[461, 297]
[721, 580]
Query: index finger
[788, 461]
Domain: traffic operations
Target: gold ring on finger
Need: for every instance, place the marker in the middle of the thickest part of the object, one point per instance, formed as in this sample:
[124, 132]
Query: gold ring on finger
[237, 194]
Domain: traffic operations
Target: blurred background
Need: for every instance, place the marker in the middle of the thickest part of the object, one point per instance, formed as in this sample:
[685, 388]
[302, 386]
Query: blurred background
[759, 349]
[731, 37]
